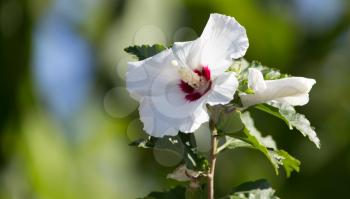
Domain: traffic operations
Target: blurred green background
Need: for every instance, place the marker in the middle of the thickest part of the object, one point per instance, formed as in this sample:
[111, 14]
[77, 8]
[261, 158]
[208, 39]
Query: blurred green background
[66, 118]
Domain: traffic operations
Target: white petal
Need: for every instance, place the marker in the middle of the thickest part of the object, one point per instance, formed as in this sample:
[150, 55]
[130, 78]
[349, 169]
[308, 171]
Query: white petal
[154, 123]
[256, 79]
[222, 40]
[141, 74]
[292, 90]
[223, 89]
[158, 122]
[163, 107]
[197, 118]
[166, 111]
[188, 53]
[298, 100]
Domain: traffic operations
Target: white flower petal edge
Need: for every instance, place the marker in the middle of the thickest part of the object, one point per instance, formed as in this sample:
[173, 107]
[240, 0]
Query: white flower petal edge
[224, 37]
[223, 90]
[141, 74]
[291, 90]
[159, 124]
[222, 40]
[256, 80]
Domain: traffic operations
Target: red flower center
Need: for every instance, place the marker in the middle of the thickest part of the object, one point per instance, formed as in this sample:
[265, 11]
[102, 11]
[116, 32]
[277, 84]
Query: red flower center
[193, 94]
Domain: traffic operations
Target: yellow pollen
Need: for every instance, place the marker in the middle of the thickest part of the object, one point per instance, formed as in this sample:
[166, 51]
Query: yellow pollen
[191, 78]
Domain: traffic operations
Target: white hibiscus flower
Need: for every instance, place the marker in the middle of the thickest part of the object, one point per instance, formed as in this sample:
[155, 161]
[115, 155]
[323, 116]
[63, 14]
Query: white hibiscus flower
[174, 86]
[291, 90]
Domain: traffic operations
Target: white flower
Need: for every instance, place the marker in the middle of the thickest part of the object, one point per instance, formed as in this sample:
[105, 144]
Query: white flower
[291, 90]
[174, 86]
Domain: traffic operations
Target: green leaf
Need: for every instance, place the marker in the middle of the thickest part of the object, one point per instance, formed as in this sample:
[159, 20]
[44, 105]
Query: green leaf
[290, 163]
[268, 147]
[272, 110]
[228, 142]
[293, 119]
[226, 119]
[268, 73]
[144, 51]
[258, 184]
[184, 144]
[144, 142]
[259, 146]
[254, 140]
[196, 192]
[259, 189]
[238, 65]
[192, 158]
[250, 130]
[174, 193]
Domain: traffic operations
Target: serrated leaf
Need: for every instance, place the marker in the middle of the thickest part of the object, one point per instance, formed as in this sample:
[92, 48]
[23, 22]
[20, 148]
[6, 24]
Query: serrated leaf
[259, 189]
[266, 145]
[238, 65]
[174, 193]
[293, 119]
[268, 73]
[144, 51]
[290, 163]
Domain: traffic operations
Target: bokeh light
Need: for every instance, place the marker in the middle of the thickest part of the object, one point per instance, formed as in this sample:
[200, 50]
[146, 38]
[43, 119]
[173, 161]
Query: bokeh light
[66, 118]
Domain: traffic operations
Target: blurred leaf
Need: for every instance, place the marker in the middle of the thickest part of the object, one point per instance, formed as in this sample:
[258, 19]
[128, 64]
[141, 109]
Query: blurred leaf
[166, 143]
[196, 188]
[258, 184]
[273, 45]
[293, 119]
[174, 193]
[182, 174]
[259, 189]
[196, 193]
[144, 51]
[182, 142]
[192, 158]
[144, 142]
